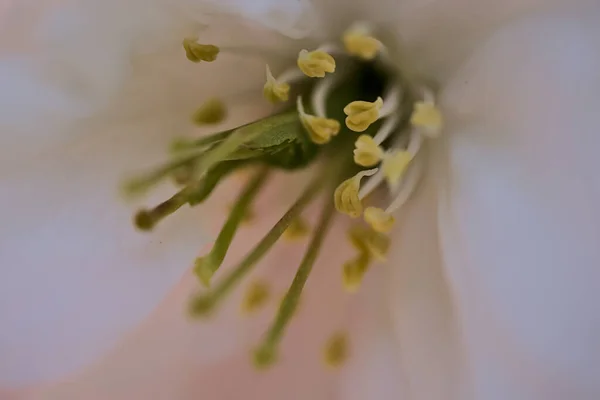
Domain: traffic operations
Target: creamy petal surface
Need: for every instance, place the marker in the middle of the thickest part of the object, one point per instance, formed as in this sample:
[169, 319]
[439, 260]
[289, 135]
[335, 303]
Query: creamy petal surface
[519, 209]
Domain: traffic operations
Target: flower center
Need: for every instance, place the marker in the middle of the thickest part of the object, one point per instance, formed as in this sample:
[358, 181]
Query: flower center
[354, 109]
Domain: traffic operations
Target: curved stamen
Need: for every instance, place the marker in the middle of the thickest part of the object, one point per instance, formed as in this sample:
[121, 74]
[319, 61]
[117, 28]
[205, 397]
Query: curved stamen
[320, 94]
[407, 186]
[387, 128]
[391, 101]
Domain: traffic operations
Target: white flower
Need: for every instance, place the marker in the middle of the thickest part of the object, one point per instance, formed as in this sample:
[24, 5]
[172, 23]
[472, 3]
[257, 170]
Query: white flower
[490, 286]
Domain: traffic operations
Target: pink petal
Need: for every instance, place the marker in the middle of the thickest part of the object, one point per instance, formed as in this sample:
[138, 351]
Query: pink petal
[163, 358]
[75, 275]
[519, 214]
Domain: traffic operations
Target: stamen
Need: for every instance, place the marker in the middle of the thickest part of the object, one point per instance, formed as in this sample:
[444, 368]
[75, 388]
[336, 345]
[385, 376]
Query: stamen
[256, 297]
[391, 102]
[274, 90]
[354, 271]
[288, 307]
[206, 266]
[316, 63]
[394, 165]
[361, 114]
[390, 124]
[346, 195]
[336, 351]
[211, 112]
[359, 42]
[408, 185]
[320, 130]
[371, 184]
[367, 240]
[197, 52]
[428, 118]
[319, 97]
[204, 304]
[182, 144]
[146, 220]
[379, 220]
[298, 229]
[367, 152]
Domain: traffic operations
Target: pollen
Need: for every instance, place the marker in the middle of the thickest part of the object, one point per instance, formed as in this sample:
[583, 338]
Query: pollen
[316, 64]
[368, 241]
[367, 152]
[256, 297]
[346, 198]
[213, 111]
[197, 52]
[394, 165]
[275, 91]
[360, 44]
[354, 271]
[361, 114]
[336, 350]
[298, 229]
[379, 220]
[427, 117]
[320, 129]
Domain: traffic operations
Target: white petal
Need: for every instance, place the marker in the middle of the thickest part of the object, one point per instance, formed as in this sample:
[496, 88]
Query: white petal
[166, 357]
[77, 116]
[421, 304]
[434, 35]
[373, 369]
[520, 219]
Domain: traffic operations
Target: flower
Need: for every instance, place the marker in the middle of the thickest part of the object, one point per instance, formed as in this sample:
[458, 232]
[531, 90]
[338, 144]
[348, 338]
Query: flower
[491, 272]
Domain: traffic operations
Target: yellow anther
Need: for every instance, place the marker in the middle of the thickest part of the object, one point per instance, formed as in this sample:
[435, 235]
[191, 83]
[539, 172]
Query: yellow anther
[379, 220]
[367, 240]
[346, 195]
[367, 152]
[197, 52]
[320, 130]
[275, 91]
[212, 111]
[315, 63]
[354, 271]
[428, 117]
[336, 352]
[361, 114]
[394, 165]
[360, 44]
[298, 229]
[256, 296]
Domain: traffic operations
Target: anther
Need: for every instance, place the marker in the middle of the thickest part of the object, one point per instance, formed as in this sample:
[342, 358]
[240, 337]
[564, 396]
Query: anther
[336, 352]
[379, 220]
[320, 129]
[257, 295]
[316, 64]
[367, 152]
[358, 42]
[197, 52]
[428, 118]
[211, 112]
[354, 271]
[367, 240]
[394, 165]
[361, 114]
[346, 194]
[298, 229]
[274, 90]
